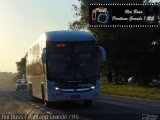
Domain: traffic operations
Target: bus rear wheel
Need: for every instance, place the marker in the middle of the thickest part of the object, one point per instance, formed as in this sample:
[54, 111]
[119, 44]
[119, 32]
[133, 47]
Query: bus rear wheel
[30, 93]
[46, 103]
[88, 103]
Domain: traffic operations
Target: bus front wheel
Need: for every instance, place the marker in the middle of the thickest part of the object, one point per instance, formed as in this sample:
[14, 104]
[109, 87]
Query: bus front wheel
[88, 103]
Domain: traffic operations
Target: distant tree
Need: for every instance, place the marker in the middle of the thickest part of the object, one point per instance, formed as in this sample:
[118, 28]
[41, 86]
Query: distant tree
[21, 68]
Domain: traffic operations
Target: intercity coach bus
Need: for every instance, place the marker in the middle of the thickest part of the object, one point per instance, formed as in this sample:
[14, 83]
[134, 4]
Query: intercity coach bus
[64, 66]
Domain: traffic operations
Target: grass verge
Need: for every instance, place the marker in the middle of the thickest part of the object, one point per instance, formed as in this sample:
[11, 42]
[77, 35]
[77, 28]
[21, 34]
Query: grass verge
[131, 90]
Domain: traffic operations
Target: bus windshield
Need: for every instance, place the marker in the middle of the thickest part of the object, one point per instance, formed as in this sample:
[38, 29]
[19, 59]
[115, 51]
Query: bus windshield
[60, 66]
[76, 62]
[86, 66]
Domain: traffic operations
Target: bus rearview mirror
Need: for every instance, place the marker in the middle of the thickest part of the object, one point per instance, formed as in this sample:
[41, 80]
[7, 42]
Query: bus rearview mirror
[103, 53]
[44, 56]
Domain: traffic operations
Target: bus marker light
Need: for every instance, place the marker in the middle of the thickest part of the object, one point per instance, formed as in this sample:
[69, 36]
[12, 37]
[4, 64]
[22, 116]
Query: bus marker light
[60, 45]
[57, 88]
[93, 87]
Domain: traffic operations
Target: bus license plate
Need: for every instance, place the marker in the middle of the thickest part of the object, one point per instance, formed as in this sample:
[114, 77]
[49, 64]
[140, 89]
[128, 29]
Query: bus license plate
[75, 96]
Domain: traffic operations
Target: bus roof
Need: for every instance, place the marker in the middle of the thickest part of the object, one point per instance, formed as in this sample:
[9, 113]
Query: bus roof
[65, 36]
[69, 36]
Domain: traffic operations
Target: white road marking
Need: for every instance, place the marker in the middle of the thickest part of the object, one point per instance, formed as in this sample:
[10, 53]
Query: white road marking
[33, 104]
[42, 109]
[37, 106]
[48, 112]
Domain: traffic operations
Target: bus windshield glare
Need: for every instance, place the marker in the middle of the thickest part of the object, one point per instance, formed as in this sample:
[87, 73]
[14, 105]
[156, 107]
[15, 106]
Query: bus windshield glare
[72, 61]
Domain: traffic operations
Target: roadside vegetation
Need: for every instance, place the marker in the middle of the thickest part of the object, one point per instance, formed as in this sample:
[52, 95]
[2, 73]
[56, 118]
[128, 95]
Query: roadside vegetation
[150, 92]
[7, 77]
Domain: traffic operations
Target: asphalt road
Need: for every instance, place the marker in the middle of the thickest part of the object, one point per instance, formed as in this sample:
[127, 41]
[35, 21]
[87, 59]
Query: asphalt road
[15, 105]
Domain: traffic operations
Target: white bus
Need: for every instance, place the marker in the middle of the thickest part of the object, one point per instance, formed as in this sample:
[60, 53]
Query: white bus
[64, 66]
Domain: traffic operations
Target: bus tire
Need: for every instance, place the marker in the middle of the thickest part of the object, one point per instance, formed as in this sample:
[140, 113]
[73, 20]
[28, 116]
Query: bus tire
[46, 103]
[42, 92]
[88, 103]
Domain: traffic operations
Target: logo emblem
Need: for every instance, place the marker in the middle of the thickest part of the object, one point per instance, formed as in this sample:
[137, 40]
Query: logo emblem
[100, 15]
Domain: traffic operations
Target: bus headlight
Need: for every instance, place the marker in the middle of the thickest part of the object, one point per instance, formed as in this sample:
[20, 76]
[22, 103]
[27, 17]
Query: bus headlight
[56, 88]
[92, 87]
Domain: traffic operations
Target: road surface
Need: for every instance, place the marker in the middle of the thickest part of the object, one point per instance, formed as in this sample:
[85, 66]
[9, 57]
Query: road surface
[15, 105]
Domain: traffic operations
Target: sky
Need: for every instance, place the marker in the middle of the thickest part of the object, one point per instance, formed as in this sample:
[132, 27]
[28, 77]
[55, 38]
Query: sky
[23, 21]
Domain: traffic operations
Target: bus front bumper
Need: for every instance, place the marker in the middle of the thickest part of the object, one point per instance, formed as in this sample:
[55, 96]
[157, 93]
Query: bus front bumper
[69, 94]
